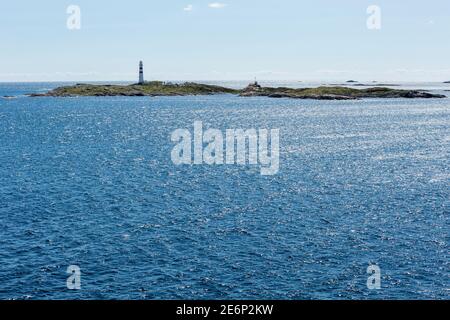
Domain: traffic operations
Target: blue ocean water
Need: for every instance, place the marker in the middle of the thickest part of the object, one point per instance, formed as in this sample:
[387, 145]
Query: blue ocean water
[90, 182]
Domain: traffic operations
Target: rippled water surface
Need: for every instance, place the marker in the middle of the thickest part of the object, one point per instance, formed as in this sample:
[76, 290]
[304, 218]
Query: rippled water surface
[90, 182]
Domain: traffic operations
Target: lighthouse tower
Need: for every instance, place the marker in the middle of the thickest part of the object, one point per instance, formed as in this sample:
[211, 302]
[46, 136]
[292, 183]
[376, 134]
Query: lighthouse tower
[141, 72]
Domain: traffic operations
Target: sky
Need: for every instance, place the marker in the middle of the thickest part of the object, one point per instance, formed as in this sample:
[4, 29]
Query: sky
[320, 40]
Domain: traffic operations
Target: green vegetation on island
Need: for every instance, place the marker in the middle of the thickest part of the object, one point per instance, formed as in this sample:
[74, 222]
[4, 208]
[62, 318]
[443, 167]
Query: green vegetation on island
[158, 88]
[334, 93]
[154, 88]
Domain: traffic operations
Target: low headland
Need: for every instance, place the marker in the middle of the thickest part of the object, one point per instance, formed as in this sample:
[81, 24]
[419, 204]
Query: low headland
[153, 88]
[334, 93]
[158, 88]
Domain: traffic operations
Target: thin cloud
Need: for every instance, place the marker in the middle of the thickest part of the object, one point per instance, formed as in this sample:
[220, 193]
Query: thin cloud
[188, 8]
[217, 5]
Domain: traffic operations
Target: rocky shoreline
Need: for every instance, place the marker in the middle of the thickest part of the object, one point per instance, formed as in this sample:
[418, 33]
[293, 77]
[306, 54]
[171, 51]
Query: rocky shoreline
[334, 93]
[157, 88]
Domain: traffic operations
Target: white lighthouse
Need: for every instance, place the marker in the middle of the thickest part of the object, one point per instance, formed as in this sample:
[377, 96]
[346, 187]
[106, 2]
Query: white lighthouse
[141, 72]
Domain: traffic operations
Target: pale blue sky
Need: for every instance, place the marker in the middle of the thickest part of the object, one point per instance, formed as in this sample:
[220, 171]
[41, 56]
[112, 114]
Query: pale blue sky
[271, 39]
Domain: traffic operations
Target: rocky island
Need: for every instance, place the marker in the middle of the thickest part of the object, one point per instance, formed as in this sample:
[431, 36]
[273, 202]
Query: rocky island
[334, 93]
[153, 88]
[158, 88]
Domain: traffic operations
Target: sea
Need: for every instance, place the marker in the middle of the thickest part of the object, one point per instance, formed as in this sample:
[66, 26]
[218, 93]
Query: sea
[88, 184]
